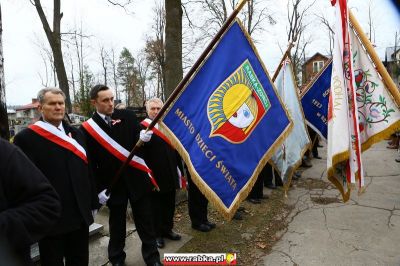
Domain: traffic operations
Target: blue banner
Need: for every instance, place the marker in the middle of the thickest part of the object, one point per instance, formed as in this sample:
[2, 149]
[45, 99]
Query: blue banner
[315, 99]
[227, 121]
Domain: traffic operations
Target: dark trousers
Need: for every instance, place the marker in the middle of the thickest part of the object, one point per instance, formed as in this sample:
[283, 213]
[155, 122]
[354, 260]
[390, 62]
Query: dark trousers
[73, 246]
[142, 216]
[257, 190]
[197, 204]
[267, 175]
[314, 141]
[163, 211]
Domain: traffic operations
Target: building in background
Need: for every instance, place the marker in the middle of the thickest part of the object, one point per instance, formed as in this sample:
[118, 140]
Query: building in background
[392, 63]
[312, 65]
[26, 115]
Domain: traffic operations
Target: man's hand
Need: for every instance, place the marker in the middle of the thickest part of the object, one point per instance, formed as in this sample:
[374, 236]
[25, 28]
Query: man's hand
[94, 212]
[103, 197]
[145, 136]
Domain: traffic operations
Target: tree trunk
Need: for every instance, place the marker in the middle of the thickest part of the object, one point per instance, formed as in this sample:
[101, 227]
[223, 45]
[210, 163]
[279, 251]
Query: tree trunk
[54, 38]
[173, 45]
[4, 130]
[62, 75]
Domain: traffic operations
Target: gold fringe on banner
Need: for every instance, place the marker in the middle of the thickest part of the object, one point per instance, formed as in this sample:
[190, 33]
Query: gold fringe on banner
[227, 213]
[291, 171]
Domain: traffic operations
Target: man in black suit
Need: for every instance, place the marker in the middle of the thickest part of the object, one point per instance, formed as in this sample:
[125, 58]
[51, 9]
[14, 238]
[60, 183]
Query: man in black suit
[161, 158]
[58, 150]
[197, 207]
[29, 206]
[111, 135]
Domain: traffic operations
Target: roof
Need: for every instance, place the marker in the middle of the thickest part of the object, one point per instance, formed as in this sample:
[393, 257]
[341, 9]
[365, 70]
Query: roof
[317, 53]
[11, 111]
[28, 106]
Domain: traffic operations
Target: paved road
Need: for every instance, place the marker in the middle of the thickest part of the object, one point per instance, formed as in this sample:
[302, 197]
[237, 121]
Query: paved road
[321, 231]
[98, 244]
[363, 231]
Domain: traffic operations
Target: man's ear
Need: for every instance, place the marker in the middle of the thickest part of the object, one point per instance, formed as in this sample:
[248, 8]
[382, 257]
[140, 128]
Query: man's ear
[93, 102]
[40, 108]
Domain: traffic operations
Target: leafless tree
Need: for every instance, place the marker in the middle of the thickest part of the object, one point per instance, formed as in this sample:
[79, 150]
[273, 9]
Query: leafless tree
[4, 130]
[155, 49]
[216, 12]
[72, 78]
[211, 15]
[50, 76]
[173, 45]
[296, 14]
[75, 42]
[123, 4]
[142, 67]
[371, 23]
[331, 33]
[114, 66]
[104, 59]
[54, 38]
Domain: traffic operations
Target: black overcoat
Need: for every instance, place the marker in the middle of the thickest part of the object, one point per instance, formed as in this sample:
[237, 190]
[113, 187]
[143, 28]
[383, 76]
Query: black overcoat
[125, 132]
[162, 159]
[67, 173]
[29, 206]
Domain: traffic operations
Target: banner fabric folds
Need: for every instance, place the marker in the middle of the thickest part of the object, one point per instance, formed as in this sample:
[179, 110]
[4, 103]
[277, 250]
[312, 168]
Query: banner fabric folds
[289, 156]
[227, 121]
[361, 110]
[314, 100]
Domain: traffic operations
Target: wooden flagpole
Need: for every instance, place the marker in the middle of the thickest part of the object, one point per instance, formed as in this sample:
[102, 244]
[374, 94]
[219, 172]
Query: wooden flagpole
[375, 58]
[179, 88]
[286, 54]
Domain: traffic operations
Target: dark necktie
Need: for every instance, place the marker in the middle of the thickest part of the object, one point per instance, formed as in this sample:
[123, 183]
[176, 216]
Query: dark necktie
[108, 120]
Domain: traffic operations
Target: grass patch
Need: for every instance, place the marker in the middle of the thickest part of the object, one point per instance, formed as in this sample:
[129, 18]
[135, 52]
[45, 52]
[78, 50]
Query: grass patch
[251, 238]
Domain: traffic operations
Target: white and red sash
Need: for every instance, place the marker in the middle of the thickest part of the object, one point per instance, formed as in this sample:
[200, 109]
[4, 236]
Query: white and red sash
[182, 179]
[54, 135]
[146, 122]
[115, 148]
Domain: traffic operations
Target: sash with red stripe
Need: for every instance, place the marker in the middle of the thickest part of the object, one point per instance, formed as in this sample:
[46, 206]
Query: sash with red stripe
[116, 149]
[146, 122]
[54, 135]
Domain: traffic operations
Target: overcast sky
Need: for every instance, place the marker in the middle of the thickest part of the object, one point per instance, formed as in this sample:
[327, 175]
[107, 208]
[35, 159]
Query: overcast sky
[111, 26]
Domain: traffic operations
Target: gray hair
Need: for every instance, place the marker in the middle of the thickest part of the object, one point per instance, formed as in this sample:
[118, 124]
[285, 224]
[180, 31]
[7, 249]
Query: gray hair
[120, 106]
[53, 90]
[153, 100]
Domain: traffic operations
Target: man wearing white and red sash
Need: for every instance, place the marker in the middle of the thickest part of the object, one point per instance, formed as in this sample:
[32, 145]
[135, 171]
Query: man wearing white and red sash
[111, 135]
[162, 159]
[59, 151]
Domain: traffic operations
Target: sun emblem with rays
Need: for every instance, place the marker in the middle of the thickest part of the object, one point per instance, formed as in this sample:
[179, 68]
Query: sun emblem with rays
[237, 105]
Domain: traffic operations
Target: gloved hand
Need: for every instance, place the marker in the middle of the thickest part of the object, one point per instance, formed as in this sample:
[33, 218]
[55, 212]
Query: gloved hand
[103, 197]
[145, 136]
[94, 212]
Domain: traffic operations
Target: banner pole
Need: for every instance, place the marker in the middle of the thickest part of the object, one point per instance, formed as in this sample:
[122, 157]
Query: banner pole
[179, 88]
[375, 58]
[285, 55]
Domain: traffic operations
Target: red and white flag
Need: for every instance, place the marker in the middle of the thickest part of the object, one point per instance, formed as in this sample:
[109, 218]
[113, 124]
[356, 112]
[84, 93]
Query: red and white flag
[344, 147]
[359, 96]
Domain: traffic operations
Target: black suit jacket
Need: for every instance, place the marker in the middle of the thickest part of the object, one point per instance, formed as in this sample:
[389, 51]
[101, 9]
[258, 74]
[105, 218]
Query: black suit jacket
[68, 174]
[162, 159]
[132, 182]
[29, 206]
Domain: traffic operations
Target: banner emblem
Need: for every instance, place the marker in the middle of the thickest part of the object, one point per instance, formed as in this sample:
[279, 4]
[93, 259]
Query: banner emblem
[238, 104]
